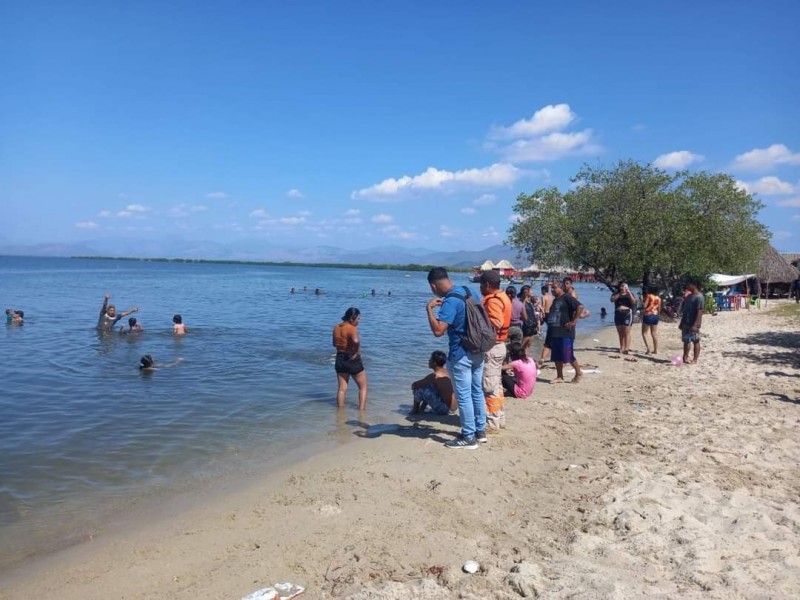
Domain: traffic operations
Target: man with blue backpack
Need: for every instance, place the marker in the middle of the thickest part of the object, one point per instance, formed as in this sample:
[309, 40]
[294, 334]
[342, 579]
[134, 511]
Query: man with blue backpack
[465, 356]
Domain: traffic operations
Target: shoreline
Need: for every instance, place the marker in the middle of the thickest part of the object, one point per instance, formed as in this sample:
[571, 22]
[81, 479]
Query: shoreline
[643, 479]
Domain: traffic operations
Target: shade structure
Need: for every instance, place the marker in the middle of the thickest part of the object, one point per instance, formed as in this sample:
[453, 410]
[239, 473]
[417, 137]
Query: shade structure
[729, 280]
[487, 266]
[774, 268]
[504, 264]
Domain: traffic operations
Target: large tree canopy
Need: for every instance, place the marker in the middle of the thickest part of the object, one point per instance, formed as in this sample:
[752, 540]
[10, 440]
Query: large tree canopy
[637, 222]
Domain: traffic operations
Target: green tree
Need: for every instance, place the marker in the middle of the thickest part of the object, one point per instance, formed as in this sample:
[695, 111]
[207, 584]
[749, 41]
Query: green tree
[637, 222]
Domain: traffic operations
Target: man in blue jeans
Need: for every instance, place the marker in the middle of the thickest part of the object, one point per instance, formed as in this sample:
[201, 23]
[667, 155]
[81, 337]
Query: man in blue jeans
[466, 369]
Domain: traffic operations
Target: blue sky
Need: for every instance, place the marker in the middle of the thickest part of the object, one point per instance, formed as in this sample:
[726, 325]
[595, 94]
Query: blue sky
[360, 124]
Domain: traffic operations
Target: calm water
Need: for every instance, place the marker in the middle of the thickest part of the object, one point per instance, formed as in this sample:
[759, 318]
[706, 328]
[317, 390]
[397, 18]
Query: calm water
[83, 430]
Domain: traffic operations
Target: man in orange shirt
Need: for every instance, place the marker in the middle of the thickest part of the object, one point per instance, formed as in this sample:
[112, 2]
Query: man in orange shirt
[498, 308]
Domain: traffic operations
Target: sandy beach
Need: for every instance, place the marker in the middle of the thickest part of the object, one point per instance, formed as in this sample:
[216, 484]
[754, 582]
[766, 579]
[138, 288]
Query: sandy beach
[644, 480]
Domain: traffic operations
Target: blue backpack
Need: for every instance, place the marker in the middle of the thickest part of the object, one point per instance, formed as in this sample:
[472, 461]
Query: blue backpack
[479, 335]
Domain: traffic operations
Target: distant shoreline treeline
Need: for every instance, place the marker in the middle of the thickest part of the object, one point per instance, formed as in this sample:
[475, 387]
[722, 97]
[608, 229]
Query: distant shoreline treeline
[384, 267]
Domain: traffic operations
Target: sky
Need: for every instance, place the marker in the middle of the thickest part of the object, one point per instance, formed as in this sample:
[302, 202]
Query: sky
[361, 124]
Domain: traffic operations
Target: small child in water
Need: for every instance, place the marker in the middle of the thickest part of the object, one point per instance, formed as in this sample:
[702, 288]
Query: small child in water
[178, 328]
[15, 317]
[148, 363]
[133, 327]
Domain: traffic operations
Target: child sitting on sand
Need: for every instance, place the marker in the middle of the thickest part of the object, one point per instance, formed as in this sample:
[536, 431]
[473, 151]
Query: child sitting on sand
[436, 389]
[519, 375]
[178, 328]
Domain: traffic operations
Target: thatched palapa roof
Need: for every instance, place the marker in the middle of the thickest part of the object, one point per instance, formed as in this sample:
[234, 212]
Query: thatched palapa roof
[773, 268]
[504, 264]
[487, 266]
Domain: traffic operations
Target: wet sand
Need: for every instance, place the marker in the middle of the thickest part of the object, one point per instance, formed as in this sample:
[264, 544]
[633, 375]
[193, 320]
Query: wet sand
[643, 480]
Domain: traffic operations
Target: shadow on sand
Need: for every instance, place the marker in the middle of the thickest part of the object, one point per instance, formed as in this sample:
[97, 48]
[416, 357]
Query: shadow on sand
[781, 348]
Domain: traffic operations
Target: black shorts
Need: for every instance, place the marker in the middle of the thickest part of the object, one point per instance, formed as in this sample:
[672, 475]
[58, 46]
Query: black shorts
[623, 318]
[348, 364]
[547, 339]
[529, 330]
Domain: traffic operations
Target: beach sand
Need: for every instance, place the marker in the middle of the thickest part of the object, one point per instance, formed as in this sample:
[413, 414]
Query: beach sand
[644, 480]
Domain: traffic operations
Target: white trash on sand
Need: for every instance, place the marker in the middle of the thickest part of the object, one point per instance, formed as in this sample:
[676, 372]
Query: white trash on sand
[279, 591]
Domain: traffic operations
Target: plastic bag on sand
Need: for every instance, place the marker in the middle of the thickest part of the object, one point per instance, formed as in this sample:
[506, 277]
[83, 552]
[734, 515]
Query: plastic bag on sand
[279, 591]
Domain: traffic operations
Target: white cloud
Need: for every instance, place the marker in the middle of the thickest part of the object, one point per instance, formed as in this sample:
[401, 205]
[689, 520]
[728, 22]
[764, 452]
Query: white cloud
[514, 218]
[136, 208]
[124, 214]
[104, 214]
[86, 225]
[796, 217]
[639, 127]
[259, 213]
[292, 220]
[677, 160]
[769, 186]
[382, 219]
[781, 235]
[353, 212]
[295, 193]
[763, 159]
[491, 232]
[468, 210]
[550, 118]
[445, 231]
[793, 203]
[550, 147]
[182, 210]
[394, 231]
[216, 195]
[496, 175]
[304, 213]
[485, 200]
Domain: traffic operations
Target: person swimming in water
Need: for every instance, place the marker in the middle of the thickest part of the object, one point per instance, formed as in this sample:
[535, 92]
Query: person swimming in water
[109, 317]
[14, 317]
[133, 327]
[148, 363]
[178, 328]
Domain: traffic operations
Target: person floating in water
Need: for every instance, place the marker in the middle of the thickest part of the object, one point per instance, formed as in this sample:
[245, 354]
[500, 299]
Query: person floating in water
[148, 363]
[109, 316]
[178, 328]
[14, 317]
[133, 327]
[603, 313]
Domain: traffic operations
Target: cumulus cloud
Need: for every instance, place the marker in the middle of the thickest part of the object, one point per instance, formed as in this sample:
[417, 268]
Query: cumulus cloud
[445, 231]
[183, 210]
[549, 118]
[468, 210]
[216, 195]
[796, 217]
[550, 147]
[292, 220]
[382, 219]
[677, 160]
[514, 218]
[295, 193]
[353, 212]
[781, 235]
[763, 159]
[124, 214]
[793, 203]
[491, 232]
[86, 225]
[105, 214]
[259, 213]
[541, 138]
[485, 200]
[768, 186]
[394, 231]
[137, 208]
[496, 175]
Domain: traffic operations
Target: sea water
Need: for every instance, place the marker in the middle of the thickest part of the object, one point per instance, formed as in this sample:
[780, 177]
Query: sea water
[84, 432]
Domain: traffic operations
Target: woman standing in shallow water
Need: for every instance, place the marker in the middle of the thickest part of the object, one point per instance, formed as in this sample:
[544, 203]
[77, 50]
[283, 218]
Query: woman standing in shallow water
[348, 358]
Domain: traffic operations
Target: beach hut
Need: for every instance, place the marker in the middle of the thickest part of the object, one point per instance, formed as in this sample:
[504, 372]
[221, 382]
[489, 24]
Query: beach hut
[505, 268]
[775, 270]
[487, 266]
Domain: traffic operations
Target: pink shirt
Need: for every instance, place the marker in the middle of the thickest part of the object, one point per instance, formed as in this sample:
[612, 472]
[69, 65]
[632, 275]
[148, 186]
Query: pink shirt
[526, 373]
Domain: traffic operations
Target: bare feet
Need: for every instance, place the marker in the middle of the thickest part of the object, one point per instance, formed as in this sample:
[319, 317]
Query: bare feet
[556, 380]
[577, 378]
[631, 359]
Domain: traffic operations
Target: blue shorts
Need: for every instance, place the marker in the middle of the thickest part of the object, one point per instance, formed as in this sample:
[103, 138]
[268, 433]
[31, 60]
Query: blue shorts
[650, 320]
[561, 350]
[687, 337]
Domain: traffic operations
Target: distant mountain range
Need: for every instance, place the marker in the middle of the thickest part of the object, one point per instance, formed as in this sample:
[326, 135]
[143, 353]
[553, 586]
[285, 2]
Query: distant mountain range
[391, 255]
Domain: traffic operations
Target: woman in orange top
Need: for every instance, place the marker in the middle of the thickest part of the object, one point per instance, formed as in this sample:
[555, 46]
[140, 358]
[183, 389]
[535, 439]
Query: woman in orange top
[348, 357]
[652, 308]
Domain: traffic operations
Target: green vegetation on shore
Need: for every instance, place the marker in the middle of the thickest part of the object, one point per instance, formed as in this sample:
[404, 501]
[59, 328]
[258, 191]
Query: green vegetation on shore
[407, 267]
